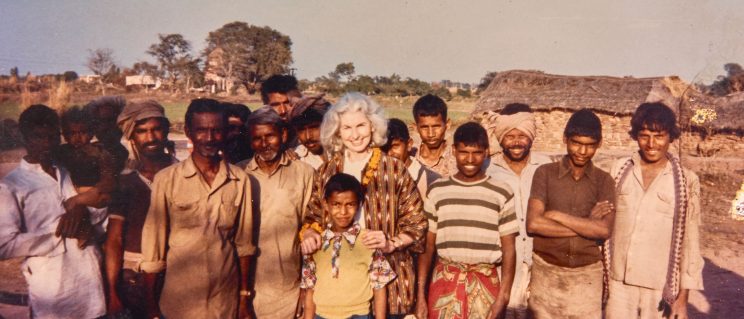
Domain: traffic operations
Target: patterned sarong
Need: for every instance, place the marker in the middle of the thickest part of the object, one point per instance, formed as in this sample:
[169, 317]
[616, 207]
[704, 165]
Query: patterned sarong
[462, 291]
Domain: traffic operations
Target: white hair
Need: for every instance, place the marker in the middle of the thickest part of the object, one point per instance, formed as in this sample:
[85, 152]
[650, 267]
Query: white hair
[353, 102]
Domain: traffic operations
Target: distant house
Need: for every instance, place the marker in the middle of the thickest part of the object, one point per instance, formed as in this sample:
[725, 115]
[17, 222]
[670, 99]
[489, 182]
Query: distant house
[91, 78]
[143, 80]
[554, 98]
[214, 76]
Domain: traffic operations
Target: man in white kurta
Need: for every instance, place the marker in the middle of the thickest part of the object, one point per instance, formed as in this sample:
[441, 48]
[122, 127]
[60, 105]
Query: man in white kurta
[64, 280]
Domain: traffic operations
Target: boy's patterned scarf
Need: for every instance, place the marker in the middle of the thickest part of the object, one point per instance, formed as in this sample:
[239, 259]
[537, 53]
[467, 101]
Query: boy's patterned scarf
[329, 237]
[672, 285]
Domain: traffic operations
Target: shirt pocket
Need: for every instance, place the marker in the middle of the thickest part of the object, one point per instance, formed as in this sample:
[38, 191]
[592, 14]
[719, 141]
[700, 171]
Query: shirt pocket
[665, 204]
[228, 214]
[186, 214]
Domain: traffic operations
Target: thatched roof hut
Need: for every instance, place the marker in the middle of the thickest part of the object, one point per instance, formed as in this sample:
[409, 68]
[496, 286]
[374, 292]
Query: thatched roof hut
[615, 96]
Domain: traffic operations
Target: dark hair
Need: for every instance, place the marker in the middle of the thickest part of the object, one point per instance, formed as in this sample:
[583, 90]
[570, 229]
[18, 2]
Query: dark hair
[397, 130]
[37, 115]
[471, 134]
[266, 115]
[655, 117]
[278, 83]
[310, 116]
[340, 183]
[77, 115]
[236, 110]
[204, 106]
[429, 105]
[514, 108]
[584, 123]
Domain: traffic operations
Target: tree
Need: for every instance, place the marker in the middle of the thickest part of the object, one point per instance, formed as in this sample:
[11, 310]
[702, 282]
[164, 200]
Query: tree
[486, 81]
[101, 63]
[732, 82]
[343, 72]
[70, 76]
[173, 54]
[247, 54]
[14, 72]
[145, 68]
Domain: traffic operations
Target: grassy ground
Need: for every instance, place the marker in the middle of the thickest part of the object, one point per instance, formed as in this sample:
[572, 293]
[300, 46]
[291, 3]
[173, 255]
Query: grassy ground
[459, 110]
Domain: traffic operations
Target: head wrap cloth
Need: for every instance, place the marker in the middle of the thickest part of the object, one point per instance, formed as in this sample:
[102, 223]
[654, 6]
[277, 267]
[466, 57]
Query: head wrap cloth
[135, 111]
[498, 125]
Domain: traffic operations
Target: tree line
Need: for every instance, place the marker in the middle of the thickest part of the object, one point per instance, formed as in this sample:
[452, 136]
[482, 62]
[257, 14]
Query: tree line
[243, 54]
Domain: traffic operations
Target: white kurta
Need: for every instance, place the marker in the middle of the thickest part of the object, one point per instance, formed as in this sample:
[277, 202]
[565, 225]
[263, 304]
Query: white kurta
[64, 281]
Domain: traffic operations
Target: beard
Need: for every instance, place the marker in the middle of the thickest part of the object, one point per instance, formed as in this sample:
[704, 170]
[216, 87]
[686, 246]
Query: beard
[516, 158]
[268, 156]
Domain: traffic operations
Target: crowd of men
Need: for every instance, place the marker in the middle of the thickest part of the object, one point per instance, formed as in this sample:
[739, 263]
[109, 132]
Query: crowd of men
[118, 227]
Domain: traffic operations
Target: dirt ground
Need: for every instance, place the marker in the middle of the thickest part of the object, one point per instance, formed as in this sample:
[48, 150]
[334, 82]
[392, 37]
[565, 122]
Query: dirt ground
[722, 243]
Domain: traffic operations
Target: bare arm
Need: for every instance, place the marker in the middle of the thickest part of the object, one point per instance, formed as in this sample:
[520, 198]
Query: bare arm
[309, 304]
[151, 297]
[380, 302]
[113, 252]
[538, 224]
[597, 226]
[422, 274]
[243, 306]
[508, 266]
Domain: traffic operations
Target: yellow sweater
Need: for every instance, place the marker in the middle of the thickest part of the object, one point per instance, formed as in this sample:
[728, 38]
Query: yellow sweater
[350, 293]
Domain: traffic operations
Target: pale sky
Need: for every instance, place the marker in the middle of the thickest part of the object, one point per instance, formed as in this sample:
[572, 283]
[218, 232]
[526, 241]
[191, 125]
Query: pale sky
[429, 40]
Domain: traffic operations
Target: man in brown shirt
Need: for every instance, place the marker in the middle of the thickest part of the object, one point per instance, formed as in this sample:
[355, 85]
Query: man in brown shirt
[282, 187]
[569, 212]
[198, 225]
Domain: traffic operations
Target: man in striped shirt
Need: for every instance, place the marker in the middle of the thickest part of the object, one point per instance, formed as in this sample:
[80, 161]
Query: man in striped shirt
[473, 226]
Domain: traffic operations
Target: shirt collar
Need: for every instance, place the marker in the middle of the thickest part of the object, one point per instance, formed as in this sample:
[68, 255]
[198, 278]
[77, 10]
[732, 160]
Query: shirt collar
[224, 172]
[564, 168]
[350, 235]
[283, 161]
[636, 158]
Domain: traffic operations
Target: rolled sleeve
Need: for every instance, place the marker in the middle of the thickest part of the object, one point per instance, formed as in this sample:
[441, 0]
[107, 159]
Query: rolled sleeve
[692, 260]
[155, 229]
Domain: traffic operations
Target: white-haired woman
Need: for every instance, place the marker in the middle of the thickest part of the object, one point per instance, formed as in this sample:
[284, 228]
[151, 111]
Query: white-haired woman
[353, 129]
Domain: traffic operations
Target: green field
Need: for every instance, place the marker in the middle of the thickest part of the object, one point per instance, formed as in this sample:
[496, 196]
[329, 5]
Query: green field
[459, 111]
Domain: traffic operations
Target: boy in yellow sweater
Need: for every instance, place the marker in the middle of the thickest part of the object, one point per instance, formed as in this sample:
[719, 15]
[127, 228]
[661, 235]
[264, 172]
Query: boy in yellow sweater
[342, 278]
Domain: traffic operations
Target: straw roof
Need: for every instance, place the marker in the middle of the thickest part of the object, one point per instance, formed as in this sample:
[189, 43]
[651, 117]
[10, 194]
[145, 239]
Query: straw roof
[618, 96]
[542, 91]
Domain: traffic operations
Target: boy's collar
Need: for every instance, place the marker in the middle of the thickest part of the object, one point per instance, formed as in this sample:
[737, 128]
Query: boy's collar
[349, 234]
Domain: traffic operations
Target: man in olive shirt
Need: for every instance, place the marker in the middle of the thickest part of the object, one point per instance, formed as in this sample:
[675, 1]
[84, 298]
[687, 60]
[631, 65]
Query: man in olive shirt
[570, 210]
[198, 225]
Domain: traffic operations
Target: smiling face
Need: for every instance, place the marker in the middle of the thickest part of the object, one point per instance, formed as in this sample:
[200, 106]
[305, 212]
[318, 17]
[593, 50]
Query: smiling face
[469, 160]
[516, 145]
[149, 137]
[581, 149]
[207, 132]
[653, 145]
[342, 206]
[267, 141]
[355, 131]
[432, 130]
[309, 136]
